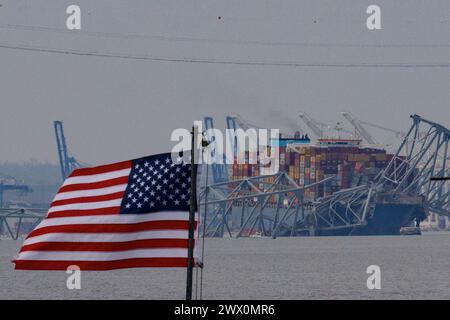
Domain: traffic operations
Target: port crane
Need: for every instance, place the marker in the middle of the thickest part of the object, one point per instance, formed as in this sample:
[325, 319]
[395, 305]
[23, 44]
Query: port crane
[10, 184]
[399, 134]
[67, 163]
[219, 167]
[359, 124]
[356, 123]
[234, 122]
[232, 126]
[316, 127]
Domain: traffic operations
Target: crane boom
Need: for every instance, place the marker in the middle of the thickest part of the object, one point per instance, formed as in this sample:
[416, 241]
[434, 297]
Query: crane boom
[311, 124]
[243, 123]
[231, 126]
[66, 162]
[219, 169]
[236, 121]
[398, 133]
[356, 123]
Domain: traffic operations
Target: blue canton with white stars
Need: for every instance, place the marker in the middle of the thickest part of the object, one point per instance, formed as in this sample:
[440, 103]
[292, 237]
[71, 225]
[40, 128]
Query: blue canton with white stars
[155, 184]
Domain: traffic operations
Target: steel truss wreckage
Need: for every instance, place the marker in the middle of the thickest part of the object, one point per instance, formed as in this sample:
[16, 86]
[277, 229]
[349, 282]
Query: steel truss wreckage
[15, 222]
[407, 190]
[413, 184]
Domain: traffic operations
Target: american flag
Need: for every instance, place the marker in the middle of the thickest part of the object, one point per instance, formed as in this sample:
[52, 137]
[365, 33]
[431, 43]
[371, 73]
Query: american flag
[128, 214]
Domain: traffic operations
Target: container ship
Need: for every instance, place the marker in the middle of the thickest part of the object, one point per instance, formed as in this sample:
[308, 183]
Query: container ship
[349, 164]
[306, 163]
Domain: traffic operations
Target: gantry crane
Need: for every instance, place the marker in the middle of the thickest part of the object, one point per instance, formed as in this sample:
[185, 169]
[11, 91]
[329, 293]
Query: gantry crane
[67, 163]
[234, 122]
[399, 134]
[316, 127]
[356, 123]
[219, 168]
[8, 183]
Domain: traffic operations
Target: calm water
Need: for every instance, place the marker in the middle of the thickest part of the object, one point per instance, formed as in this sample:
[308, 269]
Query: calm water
[412, 267]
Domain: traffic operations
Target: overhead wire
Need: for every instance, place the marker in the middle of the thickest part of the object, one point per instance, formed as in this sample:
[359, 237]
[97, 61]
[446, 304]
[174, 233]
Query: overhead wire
[105, 54]
[248, 62]
[136, 36]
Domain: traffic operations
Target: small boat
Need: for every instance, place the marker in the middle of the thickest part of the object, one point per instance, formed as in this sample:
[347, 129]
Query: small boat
[410, 231]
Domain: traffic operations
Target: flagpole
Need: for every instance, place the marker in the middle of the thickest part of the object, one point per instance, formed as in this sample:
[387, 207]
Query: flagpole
[192, 208]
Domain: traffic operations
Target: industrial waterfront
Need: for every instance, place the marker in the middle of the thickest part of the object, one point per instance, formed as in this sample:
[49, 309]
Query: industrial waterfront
[412, 267]
[353, 100]
[333, 185]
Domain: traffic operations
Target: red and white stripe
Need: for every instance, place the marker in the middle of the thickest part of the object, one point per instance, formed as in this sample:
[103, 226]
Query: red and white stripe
[83, 227]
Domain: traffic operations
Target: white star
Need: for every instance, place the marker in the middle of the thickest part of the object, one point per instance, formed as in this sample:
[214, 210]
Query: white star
[146, 199]
[152, 193]
[139, 205]
[177, 202]
[152, 204]
[164, 202]
[128, 206]
[157, 162]
[146, 164]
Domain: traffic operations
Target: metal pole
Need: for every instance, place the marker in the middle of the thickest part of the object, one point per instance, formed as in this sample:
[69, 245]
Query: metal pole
[192, 209]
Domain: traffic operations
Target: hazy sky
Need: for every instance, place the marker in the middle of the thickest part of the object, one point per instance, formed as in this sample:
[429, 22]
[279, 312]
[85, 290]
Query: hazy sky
[115, 109]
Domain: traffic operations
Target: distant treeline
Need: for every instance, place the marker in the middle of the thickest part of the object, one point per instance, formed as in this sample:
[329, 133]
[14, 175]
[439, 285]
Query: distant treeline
[43, 177]
[32, 172]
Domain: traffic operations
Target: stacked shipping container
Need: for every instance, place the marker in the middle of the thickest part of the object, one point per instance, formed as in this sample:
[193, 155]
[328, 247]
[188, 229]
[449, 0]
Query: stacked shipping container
[351, 166]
